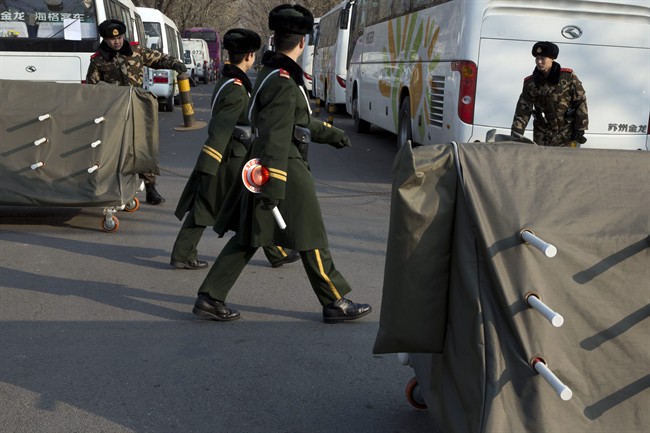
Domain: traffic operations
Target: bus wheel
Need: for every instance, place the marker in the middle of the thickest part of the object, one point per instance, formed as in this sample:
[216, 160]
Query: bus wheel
[169, 104]
[404, 133]
[360, 125]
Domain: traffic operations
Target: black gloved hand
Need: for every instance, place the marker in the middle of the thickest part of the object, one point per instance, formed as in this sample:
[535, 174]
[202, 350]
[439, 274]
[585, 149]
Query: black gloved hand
[179, 67]
[269, 203]
[579, 137]
[343, 142]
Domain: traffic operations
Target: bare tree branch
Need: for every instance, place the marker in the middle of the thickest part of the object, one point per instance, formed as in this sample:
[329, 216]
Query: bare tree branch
[224, 15]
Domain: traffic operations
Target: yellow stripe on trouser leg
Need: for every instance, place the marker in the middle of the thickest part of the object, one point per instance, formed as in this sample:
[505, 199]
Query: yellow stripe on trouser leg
[326, 281]
[324, 275]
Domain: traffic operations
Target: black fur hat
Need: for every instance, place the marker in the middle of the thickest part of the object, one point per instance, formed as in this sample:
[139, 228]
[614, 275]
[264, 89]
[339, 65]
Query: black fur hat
[111, 28]
[288, 18]
[546, 49]
[241, 41]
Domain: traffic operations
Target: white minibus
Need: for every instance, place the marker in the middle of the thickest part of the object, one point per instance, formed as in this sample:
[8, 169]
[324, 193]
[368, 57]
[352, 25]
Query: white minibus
[162, 34]
[436, 71]
[53, 40]
[330, 54]
[199, 48]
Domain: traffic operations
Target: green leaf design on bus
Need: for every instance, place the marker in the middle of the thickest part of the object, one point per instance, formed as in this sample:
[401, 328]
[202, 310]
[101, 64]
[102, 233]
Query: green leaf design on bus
[410, 44]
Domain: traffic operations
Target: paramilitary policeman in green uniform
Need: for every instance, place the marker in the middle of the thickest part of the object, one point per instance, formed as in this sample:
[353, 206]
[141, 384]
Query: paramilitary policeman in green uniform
[219, 163]
[281, 119]
[119, 62]
[554, 96]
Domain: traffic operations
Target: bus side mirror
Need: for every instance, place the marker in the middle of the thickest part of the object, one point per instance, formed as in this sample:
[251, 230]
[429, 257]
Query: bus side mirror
[344, 18]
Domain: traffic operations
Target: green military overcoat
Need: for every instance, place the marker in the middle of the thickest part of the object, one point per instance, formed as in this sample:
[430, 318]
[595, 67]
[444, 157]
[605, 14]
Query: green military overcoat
[219, 162]
[279, 102]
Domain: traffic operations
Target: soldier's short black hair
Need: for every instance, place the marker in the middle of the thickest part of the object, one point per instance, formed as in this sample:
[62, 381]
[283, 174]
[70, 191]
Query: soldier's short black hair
[288, 18]
[236, 58]
[241, 41]
[111, 28]
[546, 49]
[286, 41]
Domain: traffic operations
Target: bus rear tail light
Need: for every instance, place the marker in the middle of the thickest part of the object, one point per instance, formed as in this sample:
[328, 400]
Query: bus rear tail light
[467, 91]
[307, 76]
[341, 81]
[160, 77]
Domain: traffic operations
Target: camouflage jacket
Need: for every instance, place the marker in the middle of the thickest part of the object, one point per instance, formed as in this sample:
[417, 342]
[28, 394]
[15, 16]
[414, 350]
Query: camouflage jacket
[125, 67]
[558, 105]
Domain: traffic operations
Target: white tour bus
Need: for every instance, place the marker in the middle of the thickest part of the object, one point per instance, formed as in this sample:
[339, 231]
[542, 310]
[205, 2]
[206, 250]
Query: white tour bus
[450, 70]
[330, 54]
[306, 59]
[53, 40]
[161, 34]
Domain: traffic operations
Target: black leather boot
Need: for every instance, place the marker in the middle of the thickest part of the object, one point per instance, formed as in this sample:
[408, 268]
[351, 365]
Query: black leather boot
[291, 257]
[344, 310]
[208, 308]
[152, 195]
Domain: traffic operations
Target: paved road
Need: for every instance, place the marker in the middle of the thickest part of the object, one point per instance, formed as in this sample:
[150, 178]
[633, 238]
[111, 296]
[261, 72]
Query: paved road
[97, 335]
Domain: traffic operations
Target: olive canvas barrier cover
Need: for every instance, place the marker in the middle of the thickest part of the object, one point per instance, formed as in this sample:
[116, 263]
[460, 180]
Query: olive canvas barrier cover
[457, 278]
[51, 134]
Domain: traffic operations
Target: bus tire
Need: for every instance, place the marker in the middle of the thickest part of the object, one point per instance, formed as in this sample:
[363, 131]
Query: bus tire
[404, 133]
[361, 126]
[169, 104]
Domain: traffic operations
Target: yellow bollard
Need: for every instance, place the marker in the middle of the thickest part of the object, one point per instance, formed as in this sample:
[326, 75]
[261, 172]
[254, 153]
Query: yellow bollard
[186, 104]
[316, 110]
[331, 109]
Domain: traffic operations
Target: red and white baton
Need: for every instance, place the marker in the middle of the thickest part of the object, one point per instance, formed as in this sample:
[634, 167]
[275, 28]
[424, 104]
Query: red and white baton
[255, 175]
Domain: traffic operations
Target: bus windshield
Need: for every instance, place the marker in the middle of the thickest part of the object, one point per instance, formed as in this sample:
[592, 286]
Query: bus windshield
[208, 36]
[24, 20]
[153, 35]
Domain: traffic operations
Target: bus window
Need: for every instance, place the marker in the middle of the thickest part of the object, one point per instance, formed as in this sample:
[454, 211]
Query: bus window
[153, 36]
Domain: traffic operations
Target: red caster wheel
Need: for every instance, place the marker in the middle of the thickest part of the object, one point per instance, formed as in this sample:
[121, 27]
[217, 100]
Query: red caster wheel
[414, 395]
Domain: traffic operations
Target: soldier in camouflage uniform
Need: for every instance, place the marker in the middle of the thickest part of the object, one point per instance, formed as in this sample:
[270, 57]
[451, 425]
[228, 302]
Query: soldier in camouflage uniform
[219, 163]
[280, 115]
[554, 96]
[119, 62]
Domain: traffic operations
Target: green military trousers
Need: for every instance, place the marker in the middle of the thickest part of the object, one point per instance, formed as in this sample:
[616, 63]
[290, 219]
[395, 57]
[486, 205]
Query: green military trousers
[187, 242]
[326, 281]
